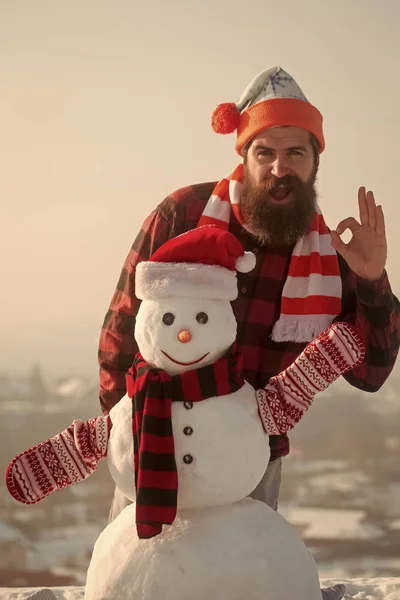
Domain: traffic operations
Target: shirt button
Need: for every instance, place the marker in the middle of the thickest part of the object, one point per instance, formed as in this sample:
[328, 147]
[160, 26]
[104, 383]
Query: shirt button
[243, 290]
[188, 459]
[188, 431]
[255, 250]
[188, 404]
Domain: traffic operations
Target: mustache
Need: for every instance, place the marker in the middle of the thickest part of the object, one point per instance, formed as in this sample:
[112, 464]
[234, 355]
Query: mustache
[290, 181]
[272, 224]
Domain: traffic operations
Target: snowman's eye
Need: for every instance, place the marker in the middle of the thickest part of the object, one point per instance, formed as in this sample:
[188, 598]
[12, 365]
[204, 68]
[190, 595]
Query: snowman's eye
[202, 318]
[168, 319]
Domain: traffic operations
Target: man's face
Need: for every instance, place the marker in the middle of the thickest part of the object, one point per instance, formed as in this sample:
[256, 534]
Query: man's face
[279, 196]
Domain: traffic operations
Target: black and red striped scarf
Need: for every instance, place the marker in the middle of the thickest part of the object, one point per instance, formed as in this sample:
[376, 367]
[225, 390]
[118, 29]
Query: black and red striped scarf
[153, 391]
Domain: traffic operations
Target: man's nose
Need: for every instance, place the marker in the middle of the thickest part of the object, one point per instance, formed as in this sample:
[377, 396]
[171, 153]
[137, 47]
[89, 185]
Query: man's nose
[279, 168]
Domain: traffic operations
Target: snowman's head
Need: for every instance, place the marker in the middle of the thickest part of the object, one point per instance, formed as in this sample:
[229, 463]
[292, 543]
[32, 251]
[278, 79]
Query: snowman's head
[180, 334]
[185, 320]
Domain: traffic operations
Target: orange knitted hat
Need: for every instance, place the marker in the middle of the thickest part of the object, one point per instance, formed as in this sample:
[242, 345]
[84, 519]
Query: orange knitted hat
[272, 99]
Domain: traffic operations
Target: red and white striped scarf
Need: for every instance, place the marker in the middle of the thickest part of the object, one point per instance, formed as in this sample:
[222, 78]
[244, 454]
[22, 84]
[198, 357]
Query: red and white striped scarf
[312, 293]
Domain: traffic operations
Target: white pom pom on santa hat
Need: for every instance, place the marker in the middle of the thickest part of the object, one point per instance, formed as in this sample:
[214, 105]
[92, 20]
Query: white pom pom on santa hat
[246, 263]
[200, 263]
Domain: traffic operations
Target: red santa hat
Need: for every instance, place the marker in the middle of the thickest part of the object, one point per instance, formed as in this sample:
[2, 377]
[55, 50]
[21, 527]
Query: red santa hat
[200, 263]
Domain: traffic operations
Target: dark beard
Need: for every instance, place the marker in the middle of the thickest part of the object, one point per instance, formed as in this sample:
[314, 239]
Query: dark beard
[272, 224]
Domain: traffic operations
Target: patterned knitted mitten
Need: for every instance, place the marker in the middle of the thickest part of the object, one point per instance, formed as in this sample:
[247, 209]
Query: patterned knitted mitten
[287, 396]
[61, 461]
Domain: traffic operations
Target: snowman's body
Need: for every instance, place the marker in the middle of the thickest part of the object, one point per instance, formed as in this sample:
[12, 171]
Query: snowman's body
[241, 551]
[222, 545]
[227, 446]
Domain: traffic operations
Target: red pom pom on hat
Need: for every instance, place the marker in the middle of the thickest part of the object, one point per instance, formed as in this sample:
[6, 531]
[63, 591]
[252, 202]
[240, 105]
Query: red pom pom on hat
[225, 118]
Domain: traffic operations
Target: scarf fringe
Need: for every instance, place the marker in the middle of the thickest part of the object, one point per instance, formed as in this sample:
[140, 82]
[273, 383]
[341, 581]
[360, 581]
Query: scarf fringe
[299, 330]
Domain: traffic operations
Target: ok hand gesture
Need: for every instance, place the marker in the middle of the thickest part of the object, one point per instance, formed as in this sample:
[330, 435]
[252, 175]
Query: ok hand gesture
[366, 252]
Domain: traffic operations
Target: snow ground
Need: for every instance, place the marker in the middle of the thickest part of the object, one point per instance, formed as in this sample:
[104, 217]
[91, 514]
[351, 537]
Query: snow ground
[357, 589]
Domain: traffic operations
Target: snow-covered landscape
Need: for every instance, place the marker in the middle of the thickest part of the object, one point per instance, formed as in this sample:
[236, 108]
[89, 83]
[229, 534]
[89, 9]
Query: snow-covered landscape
[347, 510]
[356, 589]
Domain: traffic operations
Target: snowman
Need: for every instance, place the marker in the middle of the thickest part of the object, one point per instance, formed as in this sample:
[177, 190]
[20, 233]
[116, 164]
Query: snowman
[190, 441]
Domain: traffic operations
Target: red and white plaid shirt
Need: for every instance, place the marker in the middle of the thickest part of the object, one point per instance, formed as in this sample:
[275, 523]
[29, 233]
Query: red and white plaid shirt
[371, 306]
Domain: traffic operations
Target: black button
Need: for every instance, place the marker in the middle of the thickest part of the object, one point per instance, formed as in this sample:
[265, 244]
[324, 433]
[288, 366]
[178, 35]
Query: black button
[243, 290]
[188, 459]
[188, 404]
[188, 431]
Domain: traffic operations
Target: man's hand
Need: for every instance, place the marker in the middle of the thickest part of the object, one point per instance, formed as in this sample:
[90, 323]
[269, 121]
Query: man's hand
[366, 252]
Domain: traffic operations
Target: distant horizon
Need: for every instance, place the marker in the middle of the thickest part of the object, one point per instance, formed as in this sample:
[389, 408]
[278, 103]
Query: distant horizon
[52, 375]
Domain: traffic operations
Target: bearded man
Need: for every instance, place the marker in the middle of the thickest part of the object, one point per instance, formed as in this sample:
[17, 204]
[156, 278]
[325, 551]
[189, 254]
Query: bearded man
[305, 276]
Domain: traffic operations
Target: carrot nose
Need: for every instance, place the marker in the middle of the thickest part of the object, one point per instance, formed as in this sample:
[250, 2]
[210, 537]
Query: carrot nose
[184, 336]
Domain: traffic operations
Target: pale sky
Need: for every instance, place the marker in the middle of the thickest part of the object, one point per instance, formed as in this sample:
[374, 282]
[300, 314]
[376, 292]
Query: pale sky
[105, 109]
